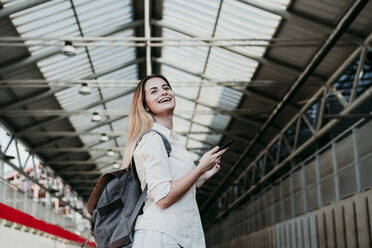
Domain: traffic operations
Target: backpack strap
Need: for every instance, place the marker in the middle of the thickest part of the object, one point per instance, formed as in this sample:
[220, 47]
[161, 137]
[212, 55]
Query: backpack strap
[138, 206]
[143, 195]
[167, 145]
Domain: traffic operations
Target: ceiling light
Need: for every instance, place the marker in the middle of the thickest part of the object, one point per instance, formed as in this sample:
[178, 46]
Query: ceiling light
[84, 89]
[68, 49]
[96, 117]
[104, 137]
[110, 153]
[115, 165]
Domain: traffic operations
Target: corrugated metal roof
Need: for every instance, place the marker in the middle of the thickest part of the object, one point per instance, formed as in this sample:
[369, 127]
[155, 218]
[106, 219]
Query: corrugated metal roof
[249, 19]
[200, 18]
[196, 18]
[57, 19]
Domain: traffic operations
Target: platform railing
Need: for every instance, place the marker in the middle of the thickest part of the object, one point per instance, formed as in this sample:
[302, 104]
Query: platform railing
[340, 169]
[15, 197]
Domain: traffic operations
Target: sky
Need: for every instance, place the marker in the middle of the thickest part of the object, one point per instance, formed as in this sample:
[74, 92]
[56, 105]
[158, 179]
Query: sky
[4, 140]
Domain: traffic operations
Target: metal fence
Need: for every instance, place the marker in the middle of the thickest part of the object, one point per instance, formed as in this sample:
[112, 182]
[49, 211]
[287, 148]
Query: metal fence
[13, 197]
[346, 223]
[337, 171]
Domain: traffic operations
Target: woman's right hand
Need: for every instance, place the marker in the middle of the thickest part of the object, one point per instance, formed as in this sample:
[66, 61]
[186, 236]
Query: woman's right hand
[210, 158]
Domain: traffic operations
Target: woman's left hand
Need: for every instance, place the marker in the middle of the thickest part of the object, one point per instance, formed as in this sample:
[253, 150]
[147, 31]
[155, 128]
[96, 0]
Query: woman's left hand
[208, 174]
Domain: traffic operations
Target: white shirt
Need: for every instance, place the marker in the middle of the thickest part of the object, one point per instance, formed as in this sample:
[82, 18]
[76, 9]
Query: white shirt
[181, 220]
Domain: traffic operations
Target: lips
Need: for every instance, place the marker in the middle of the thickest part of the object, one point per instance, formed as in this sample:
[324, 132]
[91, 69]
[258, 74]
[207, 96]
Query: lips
[165, 99]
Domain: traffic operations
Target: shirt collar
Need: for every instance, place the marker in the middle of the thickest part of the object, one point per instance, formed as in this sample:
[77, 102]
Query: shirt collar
[169, 134]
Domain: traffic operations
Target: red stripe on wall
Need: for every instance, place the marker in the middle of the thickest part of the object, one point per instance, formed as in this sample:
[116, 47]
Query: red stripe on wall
[14, 215]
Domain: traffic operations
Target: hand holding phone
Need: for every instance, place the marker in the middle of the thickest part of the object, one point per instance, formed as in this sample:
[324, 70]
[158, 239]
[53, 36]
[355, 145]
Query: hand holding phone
[228, 143]
[212, 157]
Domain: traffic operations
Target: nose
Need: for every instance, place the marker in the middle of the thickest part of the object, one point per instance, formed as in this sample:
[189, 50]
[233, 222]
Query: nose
[163, 92]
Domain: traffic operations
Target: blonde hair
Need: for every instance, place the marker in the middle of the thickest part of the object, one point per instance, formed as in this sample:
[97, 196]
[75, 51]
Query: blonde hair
[139, 120]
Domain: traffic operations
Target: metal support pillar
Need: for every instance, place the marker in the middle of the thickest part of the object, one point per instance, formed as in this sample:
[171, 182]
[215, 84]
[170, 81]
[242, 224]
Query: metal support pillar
[317, 181]
[335, 171]
[259, 210]
[281, 201]
[356, 160]
[304, 187]
[273, 217]
[148, 36]
[358, 74]
[291, 194]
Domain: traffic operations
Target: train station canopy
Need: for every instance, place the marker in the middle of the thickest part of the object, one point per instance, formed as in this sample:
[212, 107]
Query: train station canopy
[240, 69]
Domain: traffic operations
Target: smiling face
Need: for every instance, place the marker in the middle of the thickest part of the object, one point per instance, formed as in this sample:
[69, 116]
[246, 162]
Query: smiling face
[159, 97]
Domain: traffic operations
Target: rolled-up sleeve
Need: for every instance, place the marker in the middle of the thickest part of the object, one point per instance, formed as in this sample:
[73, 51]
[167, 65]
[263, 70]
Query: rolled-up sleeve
[151, 155]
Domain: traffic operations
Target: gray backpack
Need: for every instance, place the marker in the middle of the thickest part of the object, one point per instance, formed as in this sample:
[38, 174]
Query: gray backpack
[115, 203]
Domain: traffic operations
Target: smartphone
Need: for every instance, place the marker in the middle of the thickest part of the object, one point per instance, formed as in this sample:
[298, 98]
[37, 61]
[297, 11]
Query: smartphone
[225, 145]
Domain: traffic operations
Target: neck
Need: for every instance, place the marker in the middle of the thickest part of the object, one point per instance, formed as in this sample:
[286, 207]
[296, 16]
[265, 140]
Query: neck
[166, 121]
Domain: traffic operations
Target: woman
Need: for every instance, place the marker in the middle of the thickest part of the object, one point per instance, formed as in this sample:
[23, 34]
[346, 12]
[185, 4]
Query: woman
[170, 215]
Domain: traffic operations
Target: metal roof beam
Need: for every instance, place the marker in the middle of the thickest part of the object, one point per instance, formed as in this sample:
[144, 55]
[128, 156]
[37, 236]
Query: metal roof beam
[244, 119]
[317, 58]
[225, 112]
[5, 12]
[55, 119]
[299, 18]
[205, 66]
[148, 36]
[262, 60]
[112, 112]
[113, 133]
[226, 133]
[87, 148]
[138, 14]
[91, 64]
[232, 114]
[33, 59]
[47, 93]
[51, 142]
[246, 92]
